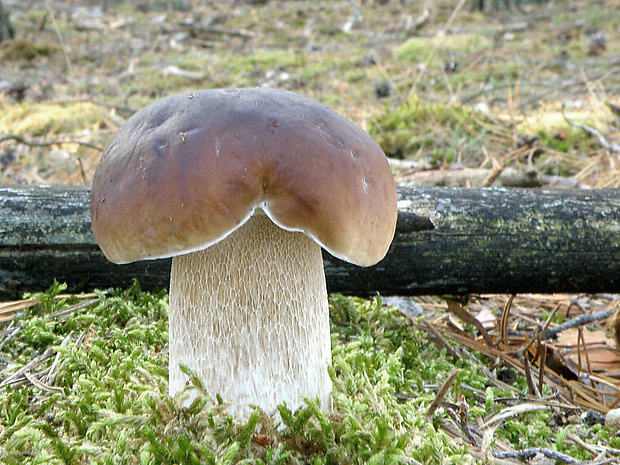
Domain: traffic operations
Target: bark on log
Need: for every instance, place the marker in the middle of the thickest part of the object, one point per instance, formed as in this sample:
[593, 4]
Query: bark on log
[448, 241]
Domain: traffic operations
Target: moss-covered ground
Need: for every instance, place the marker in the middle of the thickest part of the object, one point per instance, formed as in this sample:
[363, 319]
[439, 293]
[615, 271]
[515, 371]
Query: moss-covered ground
[101, 396]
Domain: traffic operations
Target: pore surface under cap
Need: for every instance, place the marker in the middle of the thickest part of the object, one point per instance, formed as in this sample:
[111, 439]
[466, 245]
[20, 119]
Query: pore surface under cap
[187, 170]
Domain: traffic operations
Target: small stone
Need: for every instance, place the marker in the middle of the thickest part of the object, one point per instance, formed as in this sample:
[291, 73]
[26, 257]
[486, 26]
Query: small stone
[405, 304]
[383, 89]
[592, 417]
[612, 419]
[507, 375]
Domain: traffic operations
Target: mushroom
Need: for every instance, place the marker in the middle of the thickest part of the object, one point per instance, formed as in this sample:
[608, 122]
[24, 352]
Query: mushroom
[242, 187]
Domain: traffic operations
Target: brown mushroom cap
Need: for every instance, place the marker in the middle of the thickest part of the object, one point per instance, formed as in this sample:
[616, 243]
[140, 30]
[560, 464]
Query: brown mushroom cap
[187, 170]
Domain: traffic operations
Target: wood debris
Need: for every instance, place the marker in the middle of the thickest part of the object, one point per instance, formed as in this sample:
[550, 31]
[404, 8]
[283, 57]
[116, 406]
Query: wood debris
[38, 372]
[578, 359]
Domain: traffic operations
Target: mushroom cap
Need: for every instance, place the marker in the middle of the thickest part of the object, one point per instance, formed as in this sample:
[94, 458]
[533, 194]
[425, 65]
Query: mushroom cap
[184, 172]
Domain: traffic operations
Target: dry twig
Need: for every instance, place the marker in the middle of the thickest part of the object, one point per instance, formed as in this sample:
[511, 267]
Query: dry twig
[503, 326]
[580, 320]
[531, 386]
[36, 382]
[460, 312]
[19, 375]
[610, 146]
[10, 336]
[32, 143]
[542, 350]
[513, 411]
[443, 390]
[426, 326]
[542, 330]
[529, 454]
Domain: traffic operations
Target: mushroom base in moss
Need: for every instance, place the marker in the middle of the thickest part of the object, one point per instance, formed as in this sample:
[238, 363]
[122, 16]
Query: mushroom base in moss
[249, 316]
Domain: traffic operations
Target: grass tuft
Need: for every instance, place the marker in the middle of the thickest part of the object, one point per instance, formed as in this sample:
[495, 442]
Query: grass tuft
[438, 130]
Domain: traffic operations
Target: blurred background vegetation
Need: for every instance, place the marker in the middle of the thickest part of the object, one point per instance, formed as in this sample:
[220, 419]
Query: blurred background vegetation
[442, 84]
[464, 93]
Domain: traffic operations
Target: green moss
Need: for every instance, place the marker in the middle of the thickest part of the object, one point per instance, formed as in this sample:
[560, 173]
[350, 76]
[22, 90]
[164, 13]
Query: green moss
[438, 129]
[555, 133]
[24, 49]
[493, 73]
[563, 141]
[113, 407]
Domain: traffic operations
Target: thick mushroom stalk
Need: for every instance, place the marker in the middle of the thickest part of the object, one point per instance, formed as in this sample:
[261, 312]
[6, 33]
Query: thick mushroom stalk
[249, 316]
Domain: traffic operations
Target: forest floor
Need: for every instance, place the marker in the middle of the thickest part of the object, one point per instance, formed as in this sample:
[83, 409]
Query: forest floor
[521, 98]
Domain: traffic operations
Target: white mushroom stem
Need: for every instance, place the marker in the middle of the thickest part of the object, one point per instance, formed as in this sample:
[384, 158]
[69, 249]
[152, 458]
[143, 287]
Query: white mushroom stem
[249, 316]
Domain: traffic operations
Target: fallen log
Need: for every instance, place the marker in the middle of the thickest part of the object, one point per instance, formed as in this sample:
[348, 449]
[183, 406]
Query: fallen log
[448, 241]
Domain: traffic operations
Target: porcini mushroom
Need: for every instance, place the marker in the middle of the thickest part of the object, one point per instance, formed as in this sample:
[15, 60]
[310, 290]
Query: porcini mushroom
[242, 187]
